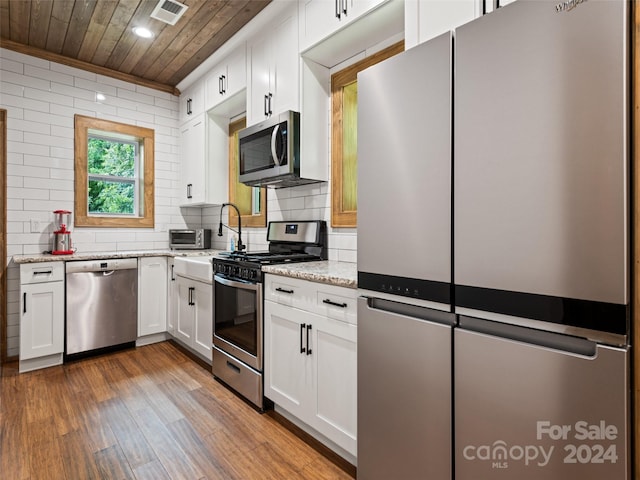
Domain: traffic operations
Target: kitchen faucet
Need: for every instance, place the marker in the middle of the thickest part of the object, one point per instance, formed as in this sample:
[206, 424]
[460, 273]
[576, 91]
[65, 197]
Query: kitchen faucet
[240, 245]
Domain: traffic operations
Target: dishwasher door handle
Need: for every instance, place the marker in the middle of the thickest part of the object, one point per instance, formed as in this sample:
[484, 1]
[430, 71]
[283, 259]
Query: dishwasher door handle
[108, 273]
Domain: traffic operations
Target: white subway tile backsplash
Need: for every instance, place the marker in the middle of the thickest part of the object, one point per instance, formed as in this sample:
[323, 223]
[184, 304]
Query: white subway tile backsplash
[136, 96]
[114, 82]
[26, 81]
[39, 72]
[22, 125]
[100, 109]
[47, 96]
[12, 66]
[72, 91]
[12, 89]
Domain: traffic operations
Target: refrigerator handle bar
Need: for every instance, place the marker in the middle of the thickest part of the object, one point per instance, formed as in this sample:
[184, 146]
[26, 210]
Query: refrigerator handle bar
[408, 310]
[556, 341]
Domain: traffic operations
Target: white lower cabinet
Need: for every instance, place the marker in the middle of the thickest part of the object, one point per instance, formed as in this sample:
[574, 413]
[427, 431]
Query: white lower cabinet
[42, 315]
[152, 296]
[194, 319]
[310, 357]
[172, 298]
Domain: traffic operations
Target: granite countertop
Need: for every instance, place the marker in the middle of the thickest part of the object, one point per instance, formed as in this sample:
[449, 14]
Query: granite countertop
[45, 257]
[341, 274]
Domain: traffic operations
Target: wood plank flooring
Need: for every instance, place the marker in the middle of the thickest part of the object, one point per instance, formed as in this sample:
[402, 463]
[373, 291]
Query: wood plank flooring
[144, 413]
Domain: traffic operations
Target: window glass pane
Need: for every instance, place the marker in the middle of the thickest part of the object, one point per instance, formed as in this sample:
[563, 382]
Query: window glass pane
[109, 157]
[350, 147]
[111, 197]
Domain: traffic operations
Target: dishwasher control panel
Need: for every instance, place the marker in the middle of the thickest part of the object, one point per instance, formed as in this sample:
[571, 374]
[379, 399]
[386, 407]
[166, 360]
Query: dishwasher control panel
[102, 265]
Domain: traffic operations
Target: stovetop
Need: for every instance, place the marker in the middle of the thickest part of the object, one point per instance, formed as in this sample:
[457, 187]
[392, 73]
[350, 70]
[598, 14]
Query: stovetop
[266, 258]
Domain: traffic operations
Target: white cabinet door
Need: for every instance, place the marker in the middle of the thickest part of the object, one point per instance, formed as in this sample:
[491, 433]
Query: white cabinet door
[288, 369]
[203, 318]
[426, 19]
[227, 78]
[192, 141]
[184, 327]
[259, 82]
[152, 295]
[172, 298]
[285, 77]
[42, 322]
[191, 102]
[319, 19]
[335, 363]
[273, 77]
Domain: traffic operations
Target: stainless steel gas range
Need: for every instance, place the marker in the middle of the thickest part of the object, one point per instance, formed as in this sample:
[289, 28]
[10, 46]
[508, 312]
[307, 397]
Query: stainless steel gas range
[238, 302]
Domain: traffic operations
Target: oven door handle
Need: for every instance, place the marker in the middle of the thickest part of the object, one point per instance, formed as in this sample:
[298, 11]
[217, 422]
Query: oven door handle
[233, 283]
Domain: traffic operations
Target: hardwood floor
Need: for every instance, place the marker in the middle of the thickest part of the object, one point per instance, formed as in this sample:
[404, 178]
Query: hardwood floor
[145, 413]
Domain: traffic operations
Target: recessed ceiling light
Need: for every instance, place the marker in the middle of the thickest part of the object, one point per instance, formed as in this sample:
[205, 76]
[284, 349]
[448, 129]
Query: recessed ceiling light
[143, 32]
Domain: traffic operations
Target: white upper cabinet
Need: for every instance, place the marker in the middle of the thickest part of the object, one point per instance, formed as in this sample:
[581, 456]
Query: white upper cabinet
[191, 102]
[226, 79]
[426, 19]
[204, 174]
[321, 18]
[273, 78]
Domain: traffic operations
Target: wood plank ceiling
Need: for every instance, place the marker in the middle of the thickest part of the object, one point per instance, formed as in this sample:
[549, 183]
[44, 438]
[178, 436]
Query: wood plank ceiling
[96, 35]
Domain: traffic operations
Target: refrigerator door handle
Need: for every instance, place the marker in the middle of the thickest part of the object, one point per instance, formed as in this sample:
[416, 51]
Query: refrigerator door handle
[408, 310]
[556, 341]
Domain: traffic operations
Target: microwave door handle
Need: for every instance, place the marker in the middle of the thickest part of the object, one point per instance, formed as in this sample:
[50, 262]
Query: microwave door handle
[274, 153]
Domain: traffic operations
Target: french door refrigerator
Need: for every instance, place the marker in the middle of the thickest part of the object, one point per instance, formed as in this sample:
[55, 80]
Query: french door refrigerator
[541, 359]
[405, 322]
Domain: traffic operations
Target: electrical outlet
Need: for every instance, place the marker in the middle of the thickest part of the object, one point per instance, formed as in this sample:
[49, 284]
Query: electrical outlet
[35, 226]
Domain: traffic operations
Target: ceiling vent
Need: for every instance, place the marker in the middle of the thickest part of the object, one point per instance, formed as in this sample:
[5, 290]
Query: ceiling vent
[168, 11]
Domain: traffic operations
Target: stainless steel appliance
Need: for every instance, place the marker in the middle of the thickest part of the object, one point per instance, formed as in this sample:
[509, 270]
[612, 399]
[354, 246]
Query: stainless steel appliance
[405, 324]
[190, 239]
[102, 304]
[238, 321]
[541, 242]
[270, 152]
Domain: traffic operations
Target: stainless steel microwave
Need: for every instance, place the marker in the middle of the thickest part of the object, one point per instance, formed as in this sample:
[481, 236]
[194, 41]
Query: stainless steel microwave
[270, 152]
[190, 239]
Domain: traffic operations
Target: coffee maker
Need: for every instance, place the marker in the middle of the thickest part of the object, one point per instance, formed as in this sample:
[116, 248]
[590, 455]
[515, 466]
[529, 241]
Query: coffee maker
[61, 235]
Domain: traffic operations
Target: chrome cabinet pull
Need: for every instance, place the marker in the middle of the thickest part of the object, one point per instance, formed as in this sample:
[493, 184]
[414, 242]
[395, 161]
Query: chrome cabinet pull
[329, 302]
[189, 185]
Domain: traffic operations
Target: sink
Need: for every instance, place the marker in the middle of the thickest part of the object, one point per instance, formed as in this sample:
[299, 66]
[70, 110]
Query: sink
[196, 268]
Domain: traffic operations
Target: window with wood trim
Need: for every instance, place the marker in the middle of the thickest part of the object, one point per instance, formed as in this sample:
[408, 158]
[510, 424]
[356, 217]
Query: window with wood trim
[114, 170]
[344, 142]
[251, 201]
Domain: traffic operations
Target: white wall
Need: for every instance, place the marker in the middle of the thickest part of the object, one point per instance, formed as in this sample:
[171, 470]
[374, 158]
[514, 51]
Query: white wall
[41, 99]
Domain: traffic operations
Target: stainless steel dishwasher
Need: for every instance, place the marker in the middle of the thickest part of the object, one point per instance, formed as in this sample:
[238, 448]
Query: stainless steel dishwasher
[102, 304]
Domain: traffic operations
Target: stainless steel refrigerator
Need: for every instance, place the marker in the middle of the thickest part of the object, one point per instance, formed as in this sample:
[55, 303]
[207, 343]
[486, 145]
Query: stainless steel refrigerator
[405, 322]
[541, 358]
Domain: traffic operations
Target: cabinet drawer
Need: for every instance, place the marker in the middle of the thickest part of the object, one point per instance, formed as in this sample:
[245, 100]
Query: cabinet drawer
[41, 272]
[289, 291]
[337, 302]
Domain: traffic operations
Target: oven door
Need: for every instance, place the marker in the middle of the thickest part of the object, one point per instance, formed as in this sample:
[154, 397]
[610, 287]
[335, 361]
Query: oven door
[237, 324]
